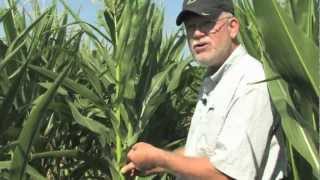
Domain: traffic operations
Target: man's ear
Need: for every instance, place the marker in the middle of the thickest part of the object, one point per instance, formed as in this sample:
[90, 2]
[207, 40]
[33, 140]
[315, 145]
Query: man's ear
[234, 27]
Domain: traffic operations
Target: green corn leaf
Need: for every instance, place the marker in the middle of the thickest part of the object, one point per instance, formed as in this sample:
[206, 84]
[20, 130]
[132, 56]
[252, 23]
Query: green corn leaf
[154, 97]
[42, 33]
[247, 38]
[127, 121]
[8, 146]
[19, 20]
[93, 79]
[177, 74]
[61, 38]
[177, 46]
[5, 164]
[36, 8]
[95, 29]
[10, 55]
[124, 25]
[295, 172]
[132, 139]
[127, 77]
[304, 13]
[92, 125]
[158, 81]
[111, 26]
[9, 26]
[33, 173]
[77, 18]
[19, 39]
[297, 134]
[3, 12]
[71, 85]
[6, 105]
[295, 55]
[30, 129]
[60, 90]
[150, 43]
[3, 50]
[61, 34]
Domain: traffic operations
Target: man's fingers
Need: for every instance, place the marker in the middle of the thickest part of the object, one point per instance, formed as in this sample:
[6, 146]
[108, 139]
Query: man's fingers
[153, 171]
[130, 166]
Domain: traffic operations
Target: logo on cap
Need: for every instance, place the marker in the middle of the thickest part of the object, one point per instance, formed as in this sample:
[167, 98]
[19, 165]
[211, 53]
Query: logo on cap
[191, 1]
[205, 14]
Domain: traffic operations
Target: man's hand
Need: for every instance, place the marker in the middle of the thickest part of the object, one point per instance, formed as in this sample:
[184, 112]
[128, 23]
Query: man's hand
[144, 159]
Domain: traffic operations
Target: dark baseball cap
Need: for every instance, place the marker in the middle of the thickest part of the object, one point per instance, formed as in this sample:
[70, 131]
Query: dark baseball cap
[209, 8]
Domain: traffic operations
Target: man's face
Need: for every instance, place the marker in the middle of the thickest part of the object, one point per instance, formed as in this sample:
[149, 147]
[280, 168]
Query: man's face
[209, 40]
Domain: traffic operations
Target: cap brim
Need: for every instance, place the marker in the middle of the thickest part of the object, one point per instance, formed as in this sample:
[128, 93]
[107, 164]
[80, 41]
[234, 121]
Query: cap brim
[183, 14]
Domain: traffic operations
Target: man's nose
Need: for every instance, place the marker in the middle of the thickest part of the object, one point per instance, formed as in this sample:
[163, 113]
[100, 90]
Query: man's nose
[197, 33]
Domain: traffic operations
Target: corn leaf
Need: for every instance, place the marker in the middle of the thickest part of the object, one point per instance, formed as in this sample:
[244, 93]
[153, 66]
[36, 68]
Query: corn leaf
[71, 85]
[93, 79]
[92, 125]
[292, 123]
[111, 25]
[5, 164]
[3, 50]
[19, 39]
[33, 173]
[177, 74]
[9, 26]
[60, 90]
[304, 13]
[10, 55]
[154, 97]
[77, 18]
[6, 105]
[299, 136]
[286, 46]
[30, 129]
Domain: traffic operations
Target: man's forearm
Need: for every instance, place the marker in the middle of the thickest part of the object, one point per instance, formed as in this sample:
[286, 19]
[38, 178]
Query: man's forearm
[197, 168]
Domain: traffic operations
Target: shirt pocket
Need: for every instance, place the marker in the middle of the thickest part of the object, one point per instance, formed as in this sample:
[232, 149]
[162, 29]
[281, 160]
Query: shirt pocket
[212, 124]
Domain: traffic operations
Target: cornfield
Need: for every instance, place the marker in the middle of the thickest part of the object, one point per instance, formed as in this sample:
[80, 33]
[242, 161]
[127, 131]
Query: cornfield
[75, 96]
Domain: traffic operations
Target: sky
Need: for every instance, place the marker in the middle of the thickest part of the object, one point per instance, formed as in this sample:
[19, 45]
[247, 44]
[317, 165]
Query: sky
[88, 9]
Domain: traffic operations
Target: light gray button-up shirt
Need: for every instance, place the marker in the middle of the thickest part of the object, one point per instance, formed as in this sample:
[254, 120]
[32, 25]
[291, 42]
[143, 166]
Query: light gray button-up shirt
[233, 123]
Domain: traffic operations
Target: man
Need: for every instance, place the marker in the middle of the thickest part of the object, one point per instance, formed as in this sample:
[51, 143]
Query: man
[233, 134]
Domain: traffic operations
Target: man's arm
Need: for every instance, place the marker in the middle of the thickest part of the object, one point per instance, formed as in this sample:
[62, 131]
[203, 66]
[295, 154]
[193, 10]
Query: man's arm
[145, 157]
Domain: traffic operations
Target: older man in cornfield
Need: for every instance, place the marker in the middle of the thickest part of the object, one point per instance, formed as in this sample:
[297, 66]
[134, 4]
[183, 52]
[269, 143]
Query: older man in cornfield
[233, 133]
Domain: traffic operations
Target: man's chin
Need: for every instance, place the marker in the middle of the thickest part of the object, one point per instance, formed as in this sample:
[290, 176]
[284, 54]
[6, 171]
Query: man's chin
[204, 62]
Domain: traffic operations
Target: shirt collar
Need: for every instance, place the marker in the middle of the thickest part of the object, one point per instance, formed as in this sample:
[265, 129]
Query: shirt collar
[212, 80]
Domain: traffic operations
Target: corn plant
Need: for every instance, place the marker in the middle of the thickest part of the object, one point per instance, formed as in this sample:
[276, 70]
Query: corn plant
[286, 34]
[24, 105]
[137, 65]
[75, 97]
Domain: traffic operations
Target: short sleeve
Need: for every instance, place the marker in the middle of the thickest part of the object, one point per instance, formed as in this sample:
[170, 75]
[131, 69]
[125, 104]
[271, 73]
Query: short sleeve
[241, 144]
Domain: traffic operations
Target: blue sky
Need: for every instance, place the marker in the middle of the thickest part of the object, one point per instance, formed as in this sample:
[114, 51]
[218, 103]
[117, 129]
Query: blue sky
[88, 9]
[171, 7]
